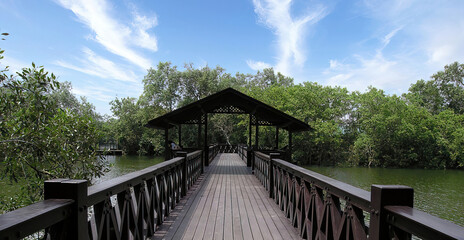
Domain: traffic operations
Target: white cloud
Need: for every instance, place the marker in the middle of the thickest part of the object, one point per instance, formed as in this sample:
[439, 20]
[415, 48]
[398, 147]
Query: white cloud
[96, 65]
[115, 36]
[386, 40]
[432, 33]
[143, 38]
[443, 41]
[376, 71]
[257, 65]
[96, 93]
[334, 64]
[434, 28]
[290, 31]
[14, 65]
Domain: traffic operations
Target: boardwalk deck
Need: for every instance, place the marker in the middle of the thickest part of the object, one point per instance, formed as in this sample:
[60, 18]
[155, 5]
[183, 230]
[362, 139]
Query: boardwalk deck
[228, 202]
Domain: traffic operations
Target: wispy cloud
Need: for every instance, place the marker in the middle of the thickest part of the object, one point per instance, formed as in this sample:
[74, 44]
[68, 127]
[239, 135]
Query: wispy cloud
[258, 65]
[115, 36]
[421, 37]
[374, 71]
[14, 65]
[96, 93]
[96, 65]
[290, 31]
[386, 40]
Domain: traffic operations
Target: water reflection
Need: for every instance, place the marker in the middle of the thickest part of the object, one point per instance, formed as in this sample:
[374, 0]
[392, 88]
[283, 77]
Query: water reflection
[121, 165]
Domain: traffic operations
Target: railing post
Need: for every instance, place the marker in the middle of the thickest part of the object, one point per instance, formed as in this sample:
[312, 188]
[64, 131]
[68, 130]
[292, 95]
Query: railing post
[70, 189]
[384, 195]
[272, 156]
[184, 172]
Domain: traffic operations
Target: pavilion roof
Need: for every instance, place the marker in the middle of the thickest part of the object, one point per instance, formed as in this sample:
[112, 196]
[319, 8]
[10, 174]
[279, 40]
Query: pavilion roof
[233, 102]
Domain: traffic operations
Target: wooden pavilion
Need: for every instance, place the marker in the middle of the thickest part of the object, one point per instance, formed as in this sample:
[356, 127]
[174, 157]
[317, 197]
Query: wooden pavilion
[228, 101]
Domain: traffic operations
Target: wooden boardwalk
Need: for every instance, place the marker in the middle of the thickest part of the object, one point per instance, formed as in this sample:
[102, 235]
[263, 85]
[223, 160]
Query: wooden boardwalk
[228, 202]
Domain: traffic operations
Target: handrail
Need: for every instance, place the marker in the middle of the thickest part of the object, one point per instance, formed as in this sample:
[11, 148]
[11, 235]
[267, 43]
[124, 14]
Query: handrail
[100, 192]
[212, 152]
[126, 207]
[422, 224]
[313, 201]
[361, 198]
[245, 154]
[226, 148]
[33, 218]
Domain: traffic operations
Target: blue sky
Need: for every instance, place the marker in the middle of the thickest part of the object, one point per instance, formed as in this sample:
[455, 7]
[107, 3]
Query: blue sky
[105, 47]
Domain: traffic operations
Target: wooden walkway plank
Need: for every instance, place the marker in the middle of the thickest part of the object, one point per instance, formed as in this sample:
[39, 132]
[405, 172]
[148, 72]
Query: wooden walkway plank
[244, 221]
[229, 203]
[211, 221]
[179, 227]
[267, 227]
[236, 221]
[202, 222]
[228, 223]
[279, 225]
[252, 218]
[282, 223]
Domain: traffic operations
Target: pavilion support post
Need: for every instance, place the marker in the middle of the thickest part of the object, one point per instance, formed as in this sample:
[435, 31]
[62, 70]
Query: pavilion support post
[257, 137]
[180, 135]
[256, 145]
[199, 134]
[290, 148]
[277, 138]
[249, 150]
[206, 141]
[167, 149]
[249, 133]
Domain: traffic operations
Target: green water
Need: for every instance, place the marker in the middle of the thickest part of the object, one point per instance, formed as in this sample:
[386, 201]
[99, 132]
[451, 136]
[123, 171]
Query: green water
[438, 192]
[120, 165]
[125, 164]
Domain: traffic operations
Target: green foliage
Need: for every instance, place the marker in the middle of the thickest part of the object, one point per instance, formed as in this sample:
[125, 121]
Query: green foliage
[42, 136]
[422, 128]
[444, 91]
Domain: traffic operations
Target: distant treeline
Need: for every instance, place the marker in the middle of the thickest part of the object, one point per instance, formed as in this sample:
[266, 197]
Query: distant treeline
[422, 128]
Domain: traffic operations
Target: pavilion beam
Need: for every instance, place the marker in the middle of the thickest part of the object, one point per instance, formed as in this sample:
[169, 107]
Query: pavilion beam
[206, 141]
[167, 149]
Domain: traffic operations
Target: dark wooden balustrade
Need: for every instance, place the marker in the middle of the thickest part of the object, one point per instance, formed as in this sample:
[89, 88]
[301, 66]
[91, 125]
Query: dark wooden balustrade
[127, 207]
[324, 208]
[225, 148]
[135, 205]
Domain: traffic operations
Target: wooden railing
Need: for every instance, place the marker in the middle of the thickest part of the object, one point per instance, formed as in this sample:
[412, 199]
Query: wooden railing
[324, 208]
[225, 148]
[246, 154]
[212, 152]
[127, 207]
[133, 205]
